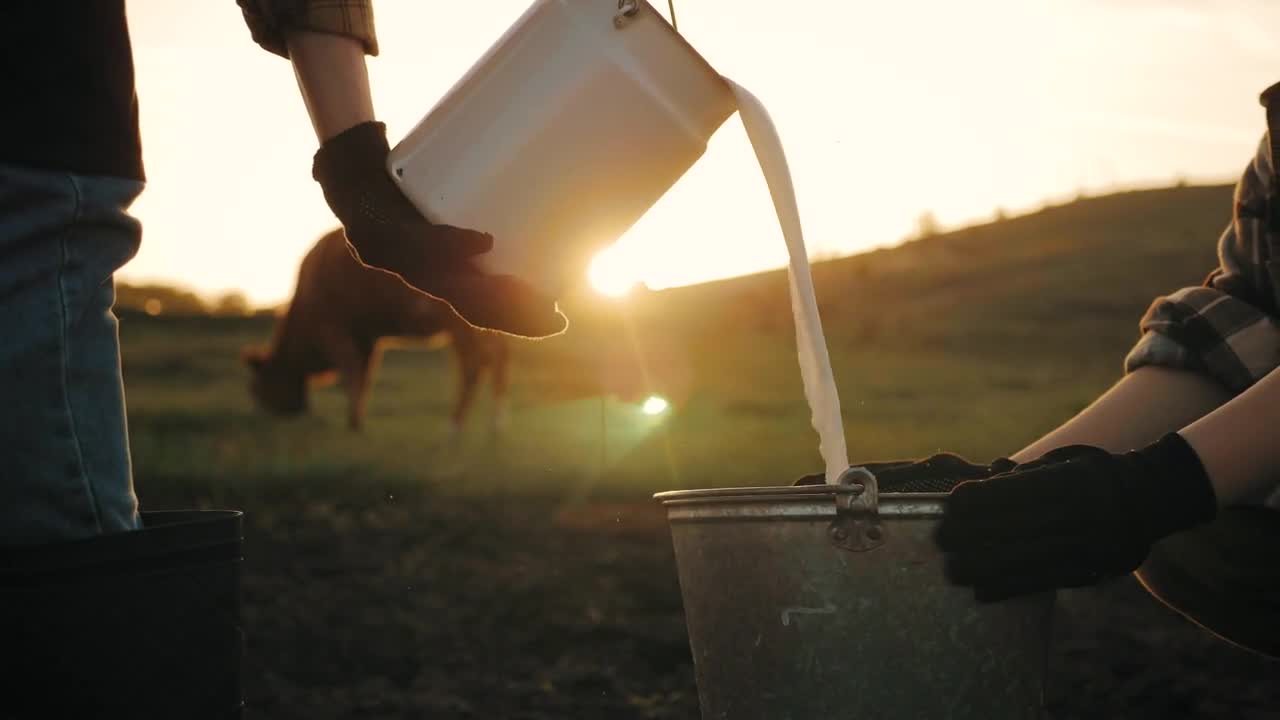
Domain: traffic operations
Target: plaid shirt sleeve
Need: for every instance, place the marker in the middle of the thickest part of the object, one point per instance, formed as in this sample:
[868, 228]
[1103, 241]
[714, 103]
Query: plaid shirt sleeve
[269, 19]
[1226, 328]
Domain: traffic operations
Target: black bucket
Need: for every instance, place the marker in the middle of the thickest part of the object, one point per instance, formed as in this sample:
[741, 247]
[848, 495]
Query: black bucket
[139, 624]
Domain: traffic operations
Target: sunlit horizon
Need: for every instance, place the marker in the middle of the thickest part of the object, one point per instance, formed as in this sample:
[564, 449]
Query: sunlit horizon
[886, 113]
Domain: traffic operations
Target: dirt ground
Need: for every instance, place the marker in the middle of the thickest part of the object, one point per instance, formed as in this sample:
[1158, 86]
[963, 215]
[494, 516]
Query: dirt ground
[1118, 653]
[438, 607]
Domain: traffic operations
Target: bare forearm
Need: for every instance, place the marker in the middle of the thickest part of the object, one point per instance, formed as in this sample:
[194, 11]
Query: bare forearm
[333, 80]
[1238, 443]
[1138, 410]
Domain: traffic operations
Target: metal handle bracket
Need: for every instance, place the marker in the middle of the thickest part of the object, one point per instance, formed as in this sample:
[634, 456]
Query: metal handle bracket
[857, 525]
[627, 9]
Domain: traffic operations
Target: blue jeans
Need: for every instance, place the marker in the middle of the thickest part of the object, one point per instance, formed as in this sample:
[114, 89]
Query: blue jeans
[64, 450]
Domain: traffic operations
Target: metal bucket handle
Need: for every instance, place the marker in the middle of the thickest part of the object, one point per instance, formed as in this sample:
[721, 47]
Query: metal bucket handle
[857, 525]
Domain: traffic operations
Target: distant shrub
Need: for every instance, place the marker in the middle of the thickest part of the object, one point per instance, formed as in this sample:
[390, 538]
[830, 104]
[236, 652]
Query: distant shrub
[927, 225]
[159, 300]
[233, 303]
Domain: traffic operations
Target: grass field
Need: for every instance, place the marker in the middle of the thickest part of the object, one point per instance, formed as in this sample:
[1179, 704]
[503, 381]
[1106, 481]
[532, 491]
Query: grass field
[392, 574]
[975, 341]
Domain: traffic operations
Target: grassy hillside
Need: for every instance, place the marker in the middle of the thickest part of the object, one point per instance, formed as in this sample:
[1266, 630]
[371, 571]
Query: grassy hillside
[973, 341]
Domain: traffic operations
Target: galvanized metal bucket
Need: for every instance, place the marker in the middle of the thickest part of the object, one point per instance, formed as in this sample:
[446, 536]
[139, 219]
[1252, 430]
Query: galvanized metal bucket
[829, 602]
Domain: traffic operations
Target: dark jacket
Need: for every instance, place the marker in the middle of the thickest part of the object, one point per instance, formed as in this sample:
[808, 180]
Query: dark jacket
[70, 102]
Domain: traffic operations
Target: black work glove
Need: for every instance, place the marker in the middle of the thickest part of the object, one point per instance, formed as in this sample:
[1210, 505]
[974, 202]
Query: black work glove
[386, 232]
[938, 473]
[1074, 517]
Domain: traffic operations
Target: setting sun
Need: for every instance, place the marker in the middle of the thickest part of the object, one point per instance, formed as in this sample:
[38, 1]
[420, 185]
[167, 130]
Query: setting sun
[610, 273]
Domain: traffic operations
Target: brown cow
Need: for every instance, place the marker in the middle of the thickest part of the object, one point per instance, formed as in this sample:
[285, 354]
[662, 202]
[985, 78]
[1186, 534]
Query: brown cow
[339, 313]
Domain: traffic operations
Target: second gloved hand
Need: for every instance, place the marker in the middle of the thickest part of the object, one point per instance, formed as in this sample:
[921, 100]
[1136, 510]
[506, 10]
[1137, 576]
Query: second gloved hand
[1074, 517]
[385, 231]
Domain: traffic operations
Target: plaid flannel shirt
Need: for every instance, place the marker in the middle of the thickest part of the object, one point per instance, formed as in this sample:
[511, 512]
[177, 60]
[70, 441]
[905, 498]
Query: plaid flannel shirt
[268, 20]
[1226, 328]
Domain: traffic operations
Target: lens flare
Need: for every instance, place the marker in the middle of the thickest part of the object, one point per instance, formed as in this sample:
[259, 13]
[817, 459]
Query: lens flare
[654, 405]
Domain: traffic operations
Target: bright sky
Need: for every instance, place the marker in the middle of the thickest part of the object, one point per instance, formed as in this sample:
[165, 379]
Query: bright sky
[886, 110]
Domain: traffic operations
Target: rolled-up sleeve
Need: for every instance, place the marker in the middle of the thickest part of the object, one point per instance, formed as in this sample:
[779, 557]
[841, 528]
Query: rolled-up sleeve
[269, 20]
[1226, 328]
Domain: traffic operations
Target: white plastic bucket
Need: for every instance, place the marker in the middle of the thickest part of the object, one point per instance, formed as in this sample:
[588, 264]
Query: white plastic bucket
[563, 134]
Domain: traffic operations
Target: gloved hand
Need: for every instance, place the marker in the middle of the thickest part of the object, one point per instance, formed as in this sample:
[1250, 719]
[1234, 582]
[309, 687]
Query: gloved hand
[386, 232]
[938, 473]
[1074, 517]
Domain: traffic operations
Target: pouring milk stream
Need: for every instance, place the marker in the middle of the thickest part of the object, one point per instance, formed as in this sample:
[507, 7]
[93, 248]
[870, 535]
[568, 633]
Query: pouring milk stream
[811, 343]
[575, 122]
